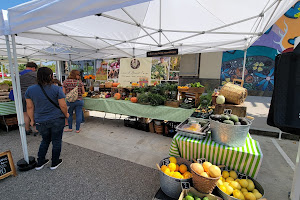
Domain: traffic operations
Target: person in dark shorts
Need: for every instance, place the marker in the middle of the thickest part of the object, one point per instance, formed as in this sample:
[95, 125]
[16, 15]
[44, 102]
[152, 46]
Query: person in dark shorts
[47, 109]
[27, 78]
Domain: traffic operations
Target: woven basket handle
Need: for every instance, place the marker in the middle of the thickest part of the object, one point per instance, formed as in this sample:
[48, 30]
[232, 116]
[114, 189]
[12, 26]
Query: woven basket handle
[239, 81]
[158, 166]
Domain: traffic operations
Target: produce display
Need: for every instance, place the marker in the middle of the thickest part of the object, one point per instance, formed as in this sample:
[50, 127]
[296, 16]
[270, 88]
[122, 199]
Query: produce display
[176, 171]
[220, 99]
[238, 188]
[206, 169]
[192, 127]
[191, 196]
[230, 119]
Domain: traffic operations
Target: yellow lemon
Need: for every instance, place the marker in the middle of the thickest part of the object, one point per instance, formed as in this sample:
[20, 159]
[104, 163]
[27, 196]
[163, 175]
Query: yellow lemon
[176, 175]
[244, 190]
[171, 174]
[225, 183]
[250, 186]
[223, 179]
[250, 196]
[167, 171]
[255, 190]
[223, 188]
[250, 181]
[257, 195]
[229, 189]
[172, 160]
[225, 174]
[236, 193]
[172, 167]
[233, 174]
[244, 183]
[220, 182]
[229, 179]
[163, 168]
[182, 168]
[235, 185]
[237, 180]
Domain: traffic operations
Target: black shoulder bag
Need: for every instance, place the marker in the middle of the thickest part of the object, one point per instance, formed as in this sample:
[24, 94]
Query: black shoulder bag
[57, 106]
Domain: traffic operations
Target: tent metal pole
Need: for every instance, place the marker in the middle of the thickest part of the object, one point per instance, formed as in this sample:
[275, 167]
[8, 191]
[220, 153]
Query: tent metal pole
[160, 22]
[244, 64]
[17, 101]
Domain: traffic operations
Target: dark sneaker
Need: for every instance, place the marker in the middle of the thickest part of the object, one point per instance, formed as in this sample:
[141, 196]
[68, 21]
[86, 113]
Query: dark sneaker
[40, 166]
[28, 132]
[56, 165]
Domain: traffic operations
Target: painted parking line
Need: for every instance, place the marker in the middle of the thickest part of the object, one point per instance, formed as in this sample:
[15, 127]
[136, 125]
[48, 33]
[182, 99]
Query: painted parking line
[287, 159]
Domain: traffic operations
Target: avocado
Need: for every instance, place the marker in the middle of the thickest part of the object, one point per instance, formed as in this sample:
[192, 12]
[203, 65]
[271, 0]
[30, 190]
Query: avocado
[190, 194]
[205, 198]
[225, 117]
[237, 123]
[228, 122]
[234, 118]
[244, 122]
[197, 198]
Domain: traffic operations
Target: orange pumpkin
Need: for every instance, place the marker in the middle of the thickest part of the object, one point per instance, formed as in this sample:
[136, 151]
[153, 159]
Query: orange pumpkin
[115, 84]
[134, 100]
[117, 96]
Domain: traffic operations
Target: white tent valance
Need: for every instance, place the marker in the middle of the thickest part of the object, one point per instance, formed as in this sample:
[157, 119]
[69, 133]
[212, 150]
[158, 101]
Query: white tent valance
[192, 26]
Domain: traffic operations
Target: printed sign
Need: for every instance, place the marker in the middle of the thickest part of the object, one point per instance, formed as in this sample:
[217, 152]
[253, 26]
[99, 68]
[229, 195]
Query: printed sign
[162, 53]
[132, 70]
[185, 185]
[7, 166]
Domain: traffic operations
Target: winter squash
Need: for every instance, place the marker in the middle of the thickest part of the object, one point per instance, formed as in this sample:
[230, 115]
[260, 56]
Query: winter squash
[117, 96]
[134, 100]
[115, 84]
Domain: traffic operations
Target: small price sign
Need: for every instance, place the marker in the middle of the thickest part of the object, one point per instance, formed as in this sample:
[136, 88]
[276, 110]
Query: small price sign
[227, 111]
[185, 185]
[166, 161]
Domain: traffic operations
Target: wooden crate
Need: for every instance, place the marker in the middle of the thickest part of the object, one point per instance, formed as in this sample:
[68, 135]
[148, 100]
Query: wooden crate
[174, 104]
[239, 110]
[192, 95]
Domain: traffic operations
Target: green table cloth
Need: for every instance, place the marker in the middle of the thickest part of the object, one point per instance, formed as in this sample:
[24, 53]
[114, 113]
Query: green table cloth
[7, 108]
[246, 159]
[110, 105]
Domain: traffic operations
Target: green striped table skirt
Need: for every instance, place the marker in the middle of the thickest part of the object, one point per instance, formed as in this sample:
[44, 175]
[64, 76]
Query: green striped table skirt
[246, 159]
[7, 108]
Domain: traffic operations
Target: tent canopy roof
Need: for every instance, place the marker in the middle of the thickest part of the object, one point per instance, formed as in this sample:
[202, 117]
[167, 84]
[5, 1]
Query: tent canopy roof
[103, 29]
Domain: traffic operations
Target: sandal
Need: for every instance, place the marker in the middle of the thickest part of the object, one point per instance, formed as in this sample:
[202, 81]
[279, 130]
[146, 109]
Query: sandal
[28, 132]
[68, 130]
[36, 133]
[77, 131]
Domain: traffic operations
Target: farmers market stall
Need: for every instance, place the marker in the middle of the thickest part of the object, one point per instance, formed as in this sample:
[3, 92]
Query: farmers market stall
[110, 105]
[246, 159]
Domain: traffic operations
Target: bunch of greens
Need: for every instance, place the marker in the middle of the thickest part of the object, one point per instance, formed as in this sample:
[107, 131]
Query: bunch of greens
[6, 82]
[205, 100]
[143, 98]
[156, 99]
[197, 84]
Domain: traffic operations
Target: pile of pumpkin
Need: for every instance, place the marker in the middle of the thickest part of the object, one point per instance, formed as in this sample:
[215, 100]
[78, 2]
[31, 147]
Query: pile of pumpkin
[118, 96]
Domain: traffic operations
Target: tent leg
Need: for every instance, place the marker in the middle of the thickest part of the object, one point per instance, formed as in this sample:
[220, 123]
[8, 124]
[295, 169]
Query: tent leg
[295, 193]
[244, 64]
[2, 72]
[17, 95]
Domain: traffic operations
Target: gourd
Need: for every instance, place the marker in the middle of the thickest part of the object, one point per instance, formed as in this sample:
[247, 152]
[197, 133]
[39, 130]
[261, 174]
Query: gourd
[117, 96]
[134, 100]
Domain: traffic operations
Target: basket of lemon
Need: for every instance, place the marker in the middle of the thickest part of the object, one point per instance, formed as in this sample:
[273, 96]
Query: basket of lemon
[173, 171]
[233, 186]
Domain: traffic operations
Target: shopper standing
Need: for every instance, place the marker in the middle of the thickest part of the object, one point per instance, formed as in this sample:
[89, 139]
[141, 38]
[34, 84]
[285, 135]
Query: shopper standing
[46, 107]
[27, 78]
[69, 84]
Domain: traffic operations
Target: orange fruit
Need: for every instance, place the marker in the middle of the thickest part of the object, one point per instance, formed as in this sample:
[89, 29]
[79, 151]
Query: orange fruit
[163, 167]
[182, 168]
[177, 168]
[172, 160]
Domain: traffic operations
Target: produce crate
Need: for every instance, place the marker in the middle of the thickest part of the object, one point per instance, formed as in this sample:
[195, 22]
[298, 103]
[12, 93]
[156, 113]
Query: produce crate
[192, 95]
[174, 104]
[131, 122]
[196, 89]
[197, 193]
[170, 129]
[239, 110]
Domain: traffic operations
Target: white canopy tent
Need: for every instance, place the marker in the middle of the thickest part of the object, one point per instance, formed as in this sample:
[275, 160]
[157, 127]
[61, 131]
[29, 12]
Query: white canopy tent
[93, 29]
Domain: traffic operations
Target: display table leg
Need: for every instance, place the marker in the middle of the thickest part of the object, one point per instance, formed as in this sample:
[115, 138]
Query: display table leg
[5, 123]
[295, 193]
[104, 117]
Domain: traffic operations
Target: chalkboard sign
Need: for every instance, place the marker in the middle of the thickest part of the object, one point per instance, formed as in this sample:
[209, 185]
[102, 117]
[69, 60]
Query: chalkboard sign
[7, 166]
[185, 185]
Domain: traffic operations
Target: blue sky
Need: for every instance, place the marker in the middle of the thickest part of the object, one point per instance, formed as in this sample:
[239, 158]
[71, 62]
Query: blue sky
[10, 3]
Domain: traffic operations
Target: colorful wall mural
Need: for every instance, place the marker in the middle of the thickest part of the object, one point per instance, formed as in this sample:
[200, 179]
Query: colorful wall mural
[260, 62]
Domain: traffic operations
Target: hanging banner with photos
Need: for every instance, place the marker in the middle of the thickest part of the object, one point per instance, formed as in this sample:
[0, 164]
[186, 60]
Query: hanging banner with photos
[135, 70]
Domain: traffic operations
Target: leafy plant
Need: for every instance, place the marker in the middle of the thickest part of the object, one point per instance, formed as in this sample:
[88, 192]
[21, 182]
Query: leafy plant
[143, 98]
[197, 84]
[156, 99]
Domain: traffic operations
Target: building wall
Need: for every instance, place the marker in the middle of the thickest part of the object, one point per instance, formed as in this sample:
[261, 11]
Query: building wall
[260, 62]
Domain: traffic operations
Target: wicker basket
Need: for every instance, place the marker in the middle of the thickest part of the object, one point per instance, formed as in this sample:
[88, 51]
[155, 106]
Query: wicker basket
[204, 184]
[234, 93]
[172, 186]
[108, 84]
